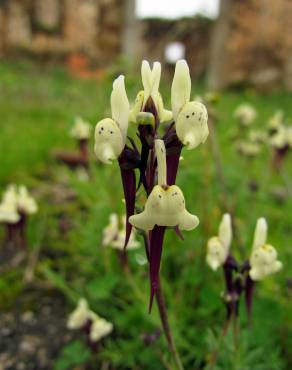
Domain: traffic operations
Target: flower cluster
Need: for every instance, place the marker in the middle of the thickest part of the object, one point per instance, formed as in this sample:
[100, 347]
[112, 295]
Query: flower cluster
[81, 129]
[83, 318]
[16, 203]
[240, 278]
[162, 134]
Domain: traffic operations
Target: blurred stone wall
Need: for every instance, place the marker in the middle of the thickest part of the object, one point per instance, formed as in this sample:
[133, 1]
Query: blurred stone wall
[193, 33]
[252, 43]
[59, 27]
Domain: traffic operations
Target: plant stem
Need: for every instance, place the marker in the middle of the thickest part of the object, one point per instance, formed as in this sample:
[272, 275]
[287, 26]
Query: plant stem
[166, 328]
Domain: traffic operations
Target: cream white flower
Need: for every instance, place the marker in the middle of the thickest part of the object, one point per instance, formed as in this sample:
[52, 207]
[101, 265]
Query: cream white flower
[26, 203]
[150, 81]
[99, 328]
[165, 205]
[114, 236]
[79, 317]
[111, 231]
[81, 129]
[276, 120]
[245, 114]
[263, 260]
[19, 199]
[119, 241]
[218, 246]
[248, 148]
[282, 137]
[190, 117]
[111, 133]
[8, 213]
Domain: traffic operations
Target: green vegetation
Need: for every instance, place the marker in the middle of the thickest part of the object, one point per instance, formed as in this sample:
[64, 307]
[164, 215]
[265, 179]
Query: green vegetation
[37, 108]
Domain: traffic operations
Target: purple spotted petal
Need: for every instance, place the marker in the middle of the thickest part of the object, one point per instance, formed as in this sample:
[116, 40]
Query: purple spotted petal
[156, 242]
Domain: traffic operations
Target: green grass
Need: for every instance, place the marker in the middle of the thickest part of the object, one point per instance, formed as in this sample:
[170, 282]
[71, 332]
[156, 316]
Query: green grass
[37, 108]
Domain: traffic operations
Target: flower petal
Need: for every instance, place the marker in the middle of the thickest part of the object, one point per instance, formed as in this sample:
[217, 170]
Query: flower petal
[160, 152]
[109, 142]
[191, 124]
[260, 235]
[165, 207]
[146, 74]
[120, 105]
[225, 230]
[181, 87]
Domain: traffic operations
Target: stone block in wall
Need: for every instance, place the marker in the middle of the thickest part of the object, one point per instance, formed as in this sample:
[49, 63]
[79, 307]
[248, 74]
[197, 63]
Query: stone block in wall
[18, 25]
[2, 31]
[47, 14]
[81, 25]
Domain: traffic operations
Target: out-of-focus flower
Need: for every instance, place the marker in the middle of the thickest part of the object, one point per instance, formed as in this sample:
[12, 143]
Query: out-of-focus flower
[281, 138]
[245, 114]
[119, 241]
[25, 202]
[247, 148]
[150, 81]
[165, 205]
[190, 117]
[8, 213]
[81, 129]
[276, 120]
[114, 236]
[80, 316]
[218, 246]
[17, 200]
[263, 260]
[111, 133]
[99, 328]
[257, 136]
[111, 231]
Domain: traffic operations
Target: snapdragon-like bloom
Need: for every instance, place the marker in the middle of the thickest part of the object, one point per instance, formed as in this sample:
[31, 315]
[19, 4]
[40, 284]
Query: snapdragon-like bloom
[79, 317]
[276, 120]
[81, 129]
[114, 236]
[8, 213]
[99, 328]
[281, 138]
[165, 205]
[218, 246]
[150, 81]
[190, 117]
[111, 231]
[248, 148]
[19, 199]
[263, 260]
[82, 316]
[111, 133]
[245, 114]
[25, 202]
